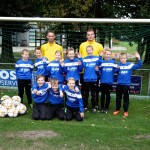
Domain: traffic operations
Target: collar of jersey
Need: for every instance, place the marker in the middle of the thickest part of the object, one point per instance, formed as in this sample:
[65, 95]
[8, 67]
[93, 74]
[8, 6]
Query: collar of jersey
[91, 42]
[52, 43]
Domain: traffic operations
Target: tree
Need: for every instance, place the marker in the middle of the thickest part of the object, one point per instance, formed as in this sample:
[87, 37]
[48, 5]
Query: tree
[15, 8]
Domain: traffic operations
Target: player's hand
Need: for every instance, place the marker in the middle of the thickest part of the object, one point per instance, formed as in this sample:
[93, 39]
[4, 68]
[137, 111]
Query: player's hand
[62, 62]
[101, 53]
[61, 94]
[79, 62]
[37, 93]
[137, 55]
[34, 91]
[76, 89]
[82, 114]
[96, 68]
[78, 55]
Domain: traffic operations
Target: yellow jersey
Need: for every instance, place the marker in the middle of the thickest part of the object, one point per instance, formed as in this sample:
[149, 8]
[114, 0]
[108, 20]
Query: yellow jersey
[97, 48]
[48, 50]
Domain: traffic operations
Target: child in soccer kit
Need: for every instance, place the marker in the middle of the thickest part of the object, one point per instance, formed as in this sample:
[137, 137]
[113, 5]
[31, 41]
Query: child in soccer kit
[90, 78]
[24, 69]
[72, 66]
[40, 96]
[56, 102]
[74, 101]
[123, 81]
[54, 68]
[106, 69]
[40, 64]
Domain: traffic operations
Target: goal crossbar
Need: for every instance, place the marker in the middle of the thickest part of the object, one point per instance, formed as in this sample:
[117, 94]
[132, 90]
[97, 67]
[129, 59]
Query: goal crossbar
[74, 20]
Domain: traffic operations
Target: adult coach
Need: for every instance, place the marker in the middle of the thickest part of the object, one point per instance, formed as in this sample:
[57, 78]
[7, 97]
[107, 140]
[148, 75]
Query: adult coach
[49, 49]
[97, 48]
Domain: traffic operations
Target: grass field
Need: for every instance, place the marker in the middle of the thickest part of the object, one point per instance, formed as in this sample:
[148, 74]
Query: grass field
[97, 132]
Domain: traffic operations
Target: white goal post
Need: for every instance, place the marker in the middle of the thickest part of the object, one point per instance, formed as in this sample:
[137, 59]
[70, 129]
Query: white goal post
[75, 20]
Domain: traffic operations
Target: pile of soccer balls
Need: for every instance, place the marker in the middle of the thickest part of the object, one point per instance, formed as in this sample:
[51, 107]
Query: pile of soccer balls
[11, 106]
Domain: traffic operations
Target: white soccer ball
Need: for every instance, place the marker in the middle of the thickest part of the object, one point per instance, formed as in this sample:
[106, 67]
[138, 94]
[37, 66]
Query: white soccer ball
[8, 103]
[16, 100]
[4, 97]
[21, 108]
[3, 111]
[12, 112]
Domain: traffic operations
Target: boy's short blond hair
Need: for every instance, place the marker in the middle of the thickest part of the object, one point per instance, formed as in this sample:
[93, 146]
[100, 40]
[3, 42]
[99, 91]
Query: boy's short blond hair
[25, 50]
[108, 50]
[70, 49]
[54, 81]
[123, 54]
[71, 79]
[89, 46]
[58, 51]
[40, 76]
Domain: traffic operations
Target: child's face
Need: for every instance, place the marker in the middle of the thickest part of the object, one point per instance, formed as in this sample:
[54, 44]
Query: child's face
[71, 84]
[71, 55]
[123, 59]
[40, 81]
[38, 53]
[58, 56]
[89, 51]
[25, 56]
[107, 55]
[55, 87]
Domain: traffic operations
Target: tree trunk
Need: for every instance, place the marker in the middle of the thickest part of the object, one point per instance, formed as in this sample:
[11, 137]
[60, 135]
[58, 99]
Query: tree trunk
[7, 55]
[147, 54]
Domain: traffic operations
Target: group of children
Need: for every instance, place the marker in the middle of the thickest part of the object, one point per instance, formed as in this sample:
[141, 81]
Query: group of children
[51, 78]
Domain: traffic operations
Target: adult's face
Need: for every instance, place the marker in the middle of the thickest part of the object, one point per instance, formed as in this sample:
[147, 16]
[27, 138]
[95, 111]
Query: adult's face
[51, 37]
[90, 36]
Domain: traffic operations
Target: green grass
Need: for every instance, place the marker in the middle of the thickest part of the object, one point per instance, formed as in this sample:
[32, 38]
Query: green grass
[130, 49]
[96, 132]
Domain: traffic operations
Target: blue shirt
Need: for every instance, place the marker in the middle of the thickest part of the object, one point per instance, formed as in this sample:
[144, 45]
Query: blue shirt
[54, 97]
[24, 69]
[55, 71]
[74, 99]
[107, 69]
[43, 90]
[41, 66]
[89, 63]
[125, 72]
[72, 69]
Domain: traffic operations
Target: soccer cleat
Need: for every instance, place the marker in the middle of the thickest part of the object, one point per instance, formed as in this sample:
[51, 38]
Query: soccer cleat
[94, 111]
[85, 109]
[105, 111]
[116, 112]
[125, 114]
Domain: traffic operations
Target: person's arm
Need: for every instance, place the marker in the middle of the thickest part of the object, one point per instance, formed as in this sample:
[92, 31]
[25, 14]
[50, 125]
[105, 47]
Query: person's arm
[139, 64]
[61, 89]
[79, 96]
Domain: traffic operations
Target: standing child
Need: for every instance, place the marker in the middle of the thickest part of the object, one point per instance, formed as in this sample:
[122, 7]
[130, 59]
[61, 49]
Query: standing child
[74, 101]
[55, 69]
[107, 68]
[90, 78]
[72, 66]
[24, 69]
[56, 107]
[124, 80]
[40, 95]
[41, 64]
